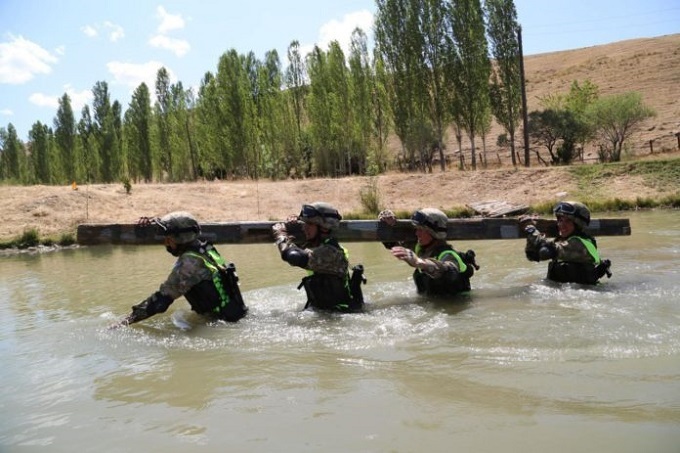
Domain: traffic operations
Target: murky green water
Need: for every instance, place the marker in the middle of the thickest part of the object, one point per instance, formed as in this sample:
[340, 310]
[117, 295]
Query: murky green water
[524, 365]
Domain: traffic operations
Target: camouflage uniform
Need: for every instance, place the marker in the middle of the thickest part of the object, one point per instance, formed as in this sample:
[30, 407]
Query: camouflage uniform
[566, 249]
[440, 270]
[435, 267]
[328, 284]
[574, 259]
[187, 272]
[200, 274]
[327, 259]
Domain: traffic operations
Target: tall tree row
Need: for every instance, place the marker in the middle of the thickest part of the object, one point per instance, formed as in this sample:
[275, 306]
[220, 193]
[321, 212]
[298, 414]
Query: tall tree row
[438, 66]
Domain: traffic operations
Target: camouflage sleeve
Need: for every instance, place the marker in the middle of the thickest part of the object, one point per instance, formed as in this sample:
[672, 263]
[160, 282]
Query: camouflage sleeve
[327, 259]
[535, 241]
[436, 268]
[572, 250]
[186, 273]
[538, 248]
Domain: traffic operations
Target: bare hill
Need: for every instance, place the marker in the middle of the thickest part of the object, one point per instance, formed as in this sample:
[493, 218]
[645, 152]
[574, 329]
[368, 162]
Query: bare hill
[650, 66]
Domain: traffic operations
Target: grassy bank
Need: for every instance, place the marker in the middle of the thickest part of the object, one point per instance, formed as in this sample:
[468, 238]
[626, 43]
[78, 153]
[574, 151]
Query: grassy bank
[31, 238]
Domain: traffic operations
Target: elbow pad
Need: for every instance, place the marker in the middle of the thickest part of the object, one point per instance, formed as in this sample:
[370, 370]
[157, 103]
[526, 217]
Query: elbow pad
[532, 255]
[295, 256]
[547, 252]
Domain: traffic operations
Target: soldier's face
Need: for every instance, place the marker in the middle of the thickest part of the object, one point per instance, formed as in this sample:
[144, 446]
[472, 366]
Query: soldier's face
[424, 236]
[310, 230]
[170, 245]
[565, 226]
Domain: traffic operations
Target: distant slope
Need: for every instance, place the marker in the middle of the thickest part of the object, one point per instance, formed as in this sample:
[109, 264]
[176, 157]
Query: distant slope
[650, 66]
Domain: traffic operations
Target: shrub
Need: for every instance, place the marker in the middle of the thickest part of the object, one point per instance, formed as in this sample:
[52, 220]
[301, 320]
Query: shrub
[370, 197]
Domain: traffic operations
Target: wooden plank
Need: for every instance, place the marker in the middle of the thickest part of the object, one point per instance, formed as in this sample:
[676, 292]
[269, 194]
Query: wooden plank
[349, 231]
[497, 208]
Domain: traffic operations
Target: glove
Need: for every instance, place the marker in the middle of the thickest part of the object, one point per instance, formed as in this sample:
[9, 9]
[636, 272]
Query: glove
[407, 255]
[527, 220]
[530, 229]
[138, 313]
[279, 230]
[387, 217]
[292, 219]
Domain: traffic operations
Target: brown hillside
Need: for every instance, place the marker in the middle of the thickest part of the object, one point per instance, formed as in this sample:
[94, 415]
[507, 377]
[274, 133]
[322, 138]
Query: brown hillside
[650, 66]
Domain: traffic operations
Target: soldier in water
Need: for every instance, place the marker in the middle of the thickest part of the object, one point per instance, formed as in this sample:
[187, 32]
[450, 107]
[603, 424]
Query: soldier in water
[200, 274]
[328, 284]
[573, 254]
[440, 270]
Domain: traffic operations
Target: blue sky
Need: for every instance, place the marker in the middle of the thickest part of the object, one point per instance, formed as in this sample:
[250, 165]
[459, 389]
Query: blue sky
[48, 48]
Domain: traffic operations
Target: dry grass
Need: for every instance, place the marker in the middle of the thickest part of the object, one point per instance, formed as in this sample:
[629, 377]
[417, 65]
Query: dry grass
[57, 210]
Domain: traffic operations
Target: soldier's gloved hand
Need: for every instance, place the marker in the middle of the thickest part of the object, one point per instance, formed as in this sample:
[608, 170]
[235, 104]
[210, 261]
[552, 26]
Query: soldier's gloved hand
[146, 221]
[387, 217]
[292, 219]
[279, 230]
[138, 313]
[530, 229]
[527, 219]
[407, 255]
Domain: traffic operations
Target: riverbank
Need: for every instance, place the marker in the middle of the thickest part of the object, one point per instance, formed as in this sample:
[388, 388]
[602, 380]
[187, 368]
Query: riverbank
[55, 211]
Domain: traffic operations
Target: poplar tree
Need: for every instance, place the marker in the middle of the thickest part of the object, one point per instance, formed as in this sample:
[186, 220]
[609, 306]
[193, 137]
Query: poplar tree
[381, 113]
[208, 126]
[251, 148]
[321, 128]
[400, 42]
[271, 116]
[436, 31]
[116, 138]
[66, 139]
[103, 128]
[505, 89]
[162, 116]
[180, 134]
[296, 89]
[39, 164]
[12, 148]
[88, 140]
[138, 121]
[361, 87]
[338, 100]
[235, 100]
[472, 68]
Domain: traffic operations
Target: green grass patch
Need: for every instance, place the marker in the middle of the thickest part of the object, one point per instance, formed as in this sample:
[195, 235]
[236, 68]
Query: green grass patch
[31, 238]
[617, 204]
[663, 175]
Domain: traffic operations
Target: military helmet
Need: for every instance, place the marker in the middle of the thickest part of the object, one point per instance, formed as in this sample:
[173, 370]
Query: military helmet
[182, 226]
[321, 214]
[574, 211]
[432, 220]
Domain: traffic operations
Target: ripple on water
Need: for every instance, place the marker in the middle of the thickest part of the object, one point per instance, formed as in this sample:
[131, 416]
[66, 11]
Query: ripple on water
[537, 322]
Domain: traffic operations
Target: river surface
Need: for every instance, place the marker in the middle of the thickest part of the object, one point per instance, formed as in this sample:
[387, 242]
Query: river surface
[521, 365]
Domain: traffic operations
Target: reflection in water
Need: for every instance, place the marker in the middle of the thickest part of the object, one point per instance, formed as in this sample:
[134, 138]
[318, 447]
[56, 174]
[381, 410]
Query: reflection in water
[519, 362]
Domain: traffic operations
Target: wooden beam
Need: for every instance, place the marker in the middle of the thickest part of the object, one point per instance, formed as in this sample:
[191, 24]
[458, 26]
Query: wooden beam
[349, 231]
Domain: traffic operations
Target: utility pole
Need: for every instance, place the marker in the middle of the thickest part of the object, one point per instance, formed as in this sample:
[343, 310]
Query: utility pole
[525, 115]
